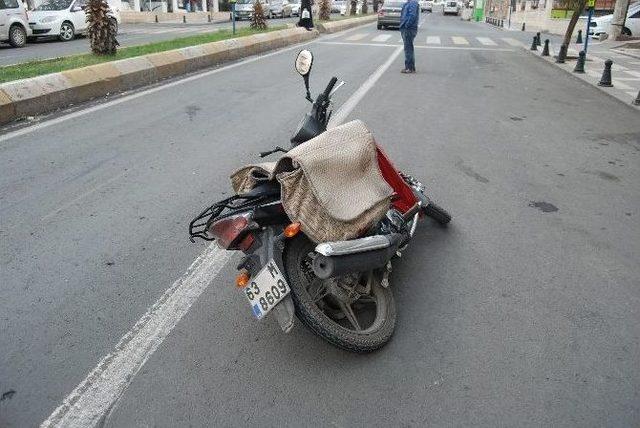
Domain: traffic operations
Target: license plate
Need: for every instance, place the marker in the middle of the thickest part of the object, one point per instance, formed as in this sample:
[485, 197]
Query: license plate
[394, 14]
[266, 290]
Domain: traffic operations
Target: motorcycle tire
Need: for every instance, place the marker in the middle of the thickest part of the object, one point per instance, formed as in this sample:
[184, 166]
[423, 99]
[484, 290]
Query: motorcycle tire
[437, 213]
[319, 322]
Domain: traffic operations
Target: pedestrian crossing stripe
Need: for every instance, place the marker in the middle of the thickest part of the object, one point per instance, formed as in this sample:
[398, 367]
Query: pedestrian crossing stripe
[457, 40]
[633, 73]
[618, 84]
[486, 41]
[382, 38]
[512, 42]
[355, 37]
[433, 40]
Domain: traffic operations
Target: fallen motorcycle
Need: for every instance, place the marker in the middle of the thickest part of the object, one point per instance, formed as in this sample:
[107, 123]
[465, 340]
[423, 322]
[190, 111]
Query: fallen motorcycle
[320, 228]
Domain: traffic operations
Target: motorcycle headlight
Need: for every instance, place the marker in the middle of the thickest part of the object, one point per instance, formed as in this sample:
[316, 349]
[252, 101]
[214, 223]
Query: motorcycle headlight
[48, 19]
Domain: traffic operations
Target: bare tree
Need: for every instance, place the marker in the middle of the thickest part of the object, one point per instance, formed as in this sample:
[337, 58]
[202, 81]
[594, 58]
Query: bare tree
[258, 21]
[577, 6]
[354, 6]
[325, 10]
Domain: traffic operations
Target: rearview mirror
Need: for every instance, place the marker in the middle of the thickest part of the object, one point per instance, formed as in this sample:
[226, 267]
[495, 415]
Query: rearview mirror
[304, 61]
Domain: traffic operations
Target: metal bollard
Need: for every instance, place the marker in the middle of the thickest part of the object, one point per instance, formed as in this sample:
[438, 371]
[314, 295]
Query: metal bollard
[545, 50]
[562, 55]
[184, 19]
[156, 19]
[579, 68]
[538, 39]
[579, 38]
[636, 102]
[605, 80]
[523, 26]
[534, 44]
[209, 18]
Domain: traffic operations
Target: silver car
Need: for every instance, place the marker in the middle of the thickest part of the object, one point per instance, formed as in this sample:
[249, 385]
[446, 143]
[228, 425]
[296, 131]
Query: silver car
[14, 23]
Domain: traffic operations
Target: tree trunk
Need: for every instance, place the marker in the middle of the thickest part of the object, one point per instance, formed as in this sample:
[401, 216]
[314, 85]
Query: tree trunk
[375, 6]
[574, 20]
[354, 5]
[618, 18]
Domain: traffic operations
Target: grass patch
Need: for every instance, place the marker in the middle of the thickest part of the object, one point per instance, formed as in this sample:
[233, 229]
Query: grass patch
[38, 68]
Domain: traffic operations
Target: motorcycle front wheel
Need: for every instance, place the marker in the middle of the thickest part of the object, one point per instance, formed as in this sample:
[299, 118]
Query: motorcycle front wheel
[354, 312]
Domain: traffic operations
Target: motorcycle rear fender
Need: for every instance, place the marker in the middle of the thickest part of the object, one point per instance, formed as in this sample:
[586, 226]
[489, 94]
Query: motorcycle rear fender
[270, 245]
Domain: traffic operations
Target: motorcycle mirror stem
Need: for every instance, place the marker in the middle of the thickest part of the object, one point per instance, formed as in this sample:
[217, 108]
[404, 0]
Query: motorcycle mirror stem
[306, 86]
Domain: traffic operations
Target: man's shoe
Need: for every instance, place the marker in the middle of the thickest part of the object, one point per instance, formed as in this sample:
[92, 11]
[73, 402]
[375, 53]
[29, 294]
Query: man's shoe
[405, 71]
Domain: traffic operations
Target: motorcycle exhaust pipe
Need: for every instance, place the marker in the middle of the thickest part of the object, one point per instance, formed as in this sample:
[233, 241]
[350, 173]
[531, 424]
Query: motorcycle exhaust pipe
[345, 257]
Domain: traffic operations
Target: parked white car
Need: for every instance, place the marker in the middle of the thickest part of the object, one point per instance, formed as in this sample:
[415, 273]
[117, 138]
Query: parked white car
[602, 24]
[14, 23]
[451, 7]
[65, 18]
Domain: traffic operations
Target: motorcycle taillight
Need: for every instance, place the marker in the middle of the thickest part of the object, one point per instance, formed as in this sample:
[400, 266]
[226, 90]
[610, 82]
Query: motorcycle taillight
[232, 233]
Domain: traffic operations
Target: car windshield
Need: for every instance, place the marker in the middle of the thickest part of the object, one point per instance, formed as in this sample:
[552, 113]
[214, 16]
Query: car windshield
[393, 4]
[451, 3]
[245, 1]
[54, 5]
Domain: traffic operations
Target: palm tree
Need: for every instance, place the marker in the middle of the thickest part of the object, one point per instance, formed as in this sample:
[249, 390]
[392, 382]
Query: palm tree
[101, 28]
[325, 10]
[258, 21]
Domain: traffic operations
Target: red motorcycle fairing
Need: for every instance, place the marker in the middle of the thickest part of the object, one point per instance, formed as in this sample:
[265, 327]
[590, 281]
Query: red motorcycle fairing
[404, 199]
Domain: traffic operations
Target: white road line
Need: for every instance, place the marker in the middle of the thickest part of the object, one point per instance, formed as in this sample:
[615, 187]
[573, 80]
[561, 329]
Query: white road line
[631, 79]
[595, 58]
[354, 99]
[633, 94]
[99, 391]
[358, 36]
[486, 41]
[433, 40]
[381, 38]
[512, 42]
[160, 87]
[457, 40]
[633, 73]
[593, 73]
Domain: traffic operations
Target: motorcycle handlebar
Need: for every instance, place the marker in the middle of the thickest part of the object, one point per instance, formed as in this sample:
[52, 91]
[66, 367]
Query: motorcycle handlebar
[330, 86]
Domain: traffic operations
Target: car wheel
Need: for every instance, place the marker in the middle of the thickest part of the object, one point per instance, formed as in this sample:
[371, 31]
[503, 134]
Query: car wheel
[67, 32]
[17, 36]
[379, 27]
[626, 31]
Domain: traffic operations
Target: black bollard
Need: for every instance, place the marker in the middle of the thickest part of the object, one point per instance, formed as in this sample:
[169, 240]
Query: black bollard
[545, 50]
[580, 64]
[534, 44]
[156, 19]
[636, 102]
[538, 39]
[605, 80]
[523, 26]
[184, 19]
[562, 55]
[209, 18]
[579, 39]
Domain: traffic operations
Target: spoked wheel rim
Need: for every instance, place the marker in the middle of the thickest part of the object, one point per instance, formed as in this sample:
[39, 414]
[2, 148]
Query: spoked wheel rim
[18, 36]
[66, 32]
[354, 302]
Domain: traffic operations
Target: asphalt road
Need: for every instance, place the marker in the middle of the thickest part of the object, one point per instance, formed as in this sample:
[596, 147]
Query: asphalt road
[128, 35]
[524, 312]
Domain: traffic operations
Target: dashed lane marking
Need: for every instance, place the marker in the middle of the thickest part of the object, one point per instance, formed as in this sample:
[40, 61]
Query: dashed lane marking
[433, 40]
[358, 36]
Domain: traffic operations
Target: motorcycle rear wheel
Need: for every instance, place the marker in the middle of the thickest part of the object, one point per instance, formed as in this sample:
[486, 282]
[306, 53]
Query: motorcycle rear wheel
[355, 326]
[437, 213]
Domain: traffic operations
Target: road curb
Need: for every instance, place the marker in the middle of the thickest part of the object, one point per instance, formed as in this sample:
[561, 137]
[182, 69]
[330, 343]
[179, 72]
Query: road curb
[345, 24]
[43, 94]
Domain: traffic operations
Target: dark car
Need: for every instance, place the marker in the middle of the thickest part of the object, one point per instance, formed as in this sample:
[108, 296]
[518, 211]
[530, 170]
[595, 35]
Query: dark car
[389, 14]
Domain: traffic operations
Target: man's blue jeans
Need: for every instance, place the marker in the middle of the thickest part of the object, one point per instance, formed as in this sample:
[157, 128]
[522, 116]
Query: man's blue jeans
[408, 34]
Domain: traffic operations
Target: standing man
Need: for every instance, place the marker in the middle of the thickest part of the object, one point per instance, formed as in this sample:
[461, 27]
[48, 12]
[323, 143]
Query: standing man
[409, 29]
[306, 19]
